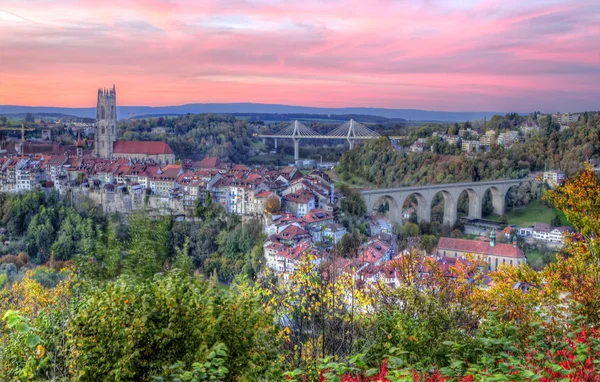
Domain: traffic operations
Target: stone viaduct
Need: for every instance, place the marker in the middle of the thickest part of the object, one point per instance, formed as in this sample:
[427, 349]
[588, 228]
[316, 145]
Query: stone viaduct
[451, 192]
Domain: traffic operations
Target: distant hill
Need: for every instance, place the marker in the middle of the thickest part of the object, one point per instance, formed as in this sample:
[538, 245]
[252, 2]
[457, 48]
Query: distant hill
[54, 115]
[257, 108]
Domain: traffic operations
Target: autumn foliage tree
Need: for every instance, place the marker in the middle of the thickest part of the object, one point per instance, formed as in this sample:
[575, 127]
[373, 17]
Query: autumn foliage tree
[273, 204]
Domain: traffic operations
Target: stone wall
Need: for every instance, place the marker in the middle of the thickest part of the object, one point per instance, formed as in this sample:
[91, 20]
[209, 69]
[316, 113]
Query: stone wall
[127, 203]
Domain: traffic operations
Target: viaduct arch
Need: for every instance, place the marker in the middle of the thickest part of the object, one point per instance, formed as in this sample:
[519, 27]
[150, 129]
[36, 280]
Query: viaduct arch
[450, 192]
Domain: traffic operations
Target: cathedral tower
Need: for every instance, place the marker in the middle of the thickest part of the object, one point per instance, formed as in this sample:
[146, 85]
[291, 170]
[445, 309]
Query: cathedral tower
[106, 123]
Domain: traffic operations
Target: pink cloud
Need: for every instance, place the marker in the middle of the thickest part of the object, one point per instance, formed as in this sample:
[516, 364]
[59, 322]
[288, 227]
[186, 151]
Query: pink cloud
[492, 55]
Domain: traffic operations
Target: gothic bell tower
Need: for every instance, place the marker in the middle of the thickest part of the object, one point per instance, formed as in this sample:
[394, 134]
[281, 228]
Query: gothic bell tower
[106, 123]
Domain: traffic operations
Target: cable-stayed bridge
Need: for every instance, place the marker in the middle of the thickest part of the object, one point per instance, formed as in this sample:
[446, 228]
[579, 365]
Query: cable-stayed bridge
[351, 131]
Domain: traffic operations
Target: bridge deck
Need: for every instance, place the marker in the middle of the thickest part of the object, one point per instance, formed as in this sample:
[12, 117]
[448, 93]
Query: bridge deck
[442, 186]
[313, 137]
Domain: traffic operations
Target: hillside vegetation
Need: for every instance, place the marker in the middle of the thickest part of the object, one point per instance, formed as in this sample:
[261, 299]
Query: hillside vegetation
[377, 163]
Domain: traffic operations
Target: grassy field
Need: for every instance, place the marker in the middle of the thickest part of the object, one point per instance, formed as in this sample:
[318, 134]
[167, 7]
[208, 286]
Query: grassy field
[271, 158]
[352, 182]
[534, 212]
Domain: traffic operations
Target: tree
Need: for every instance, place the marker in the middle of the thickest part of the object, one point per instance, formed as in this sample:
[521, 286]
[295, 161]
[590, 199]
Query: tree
[29, 118]
[321, 306]
[273, 204]
[134, 329]
[428, 243]
[348, 246]
[353, 203]
[409, 230]
[555, 221]
[503, 219]
[149, 246]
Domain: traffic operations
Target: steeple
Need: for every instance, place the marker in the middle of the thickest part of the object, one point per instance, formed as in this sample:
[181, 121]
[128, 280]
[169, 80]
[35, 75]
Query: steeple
[492, 237]
[79, 145]
[106, 122]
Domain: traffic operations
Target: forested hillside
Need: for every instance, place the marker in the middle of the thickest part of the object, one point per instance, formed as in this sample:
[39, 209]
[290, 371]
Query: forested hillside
[42, 227]
[194, 136]
[567, 150]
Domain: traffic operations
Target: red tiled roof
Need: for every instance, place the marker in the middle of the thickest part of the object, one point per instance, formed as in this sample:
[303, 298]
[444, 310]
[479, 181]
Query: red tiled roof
[263, 194]
[295, 252]
[291, 232]
[209, 162]
[479, 247]
[317, 215]
[374, 252]
[141, 147]
[300, 196]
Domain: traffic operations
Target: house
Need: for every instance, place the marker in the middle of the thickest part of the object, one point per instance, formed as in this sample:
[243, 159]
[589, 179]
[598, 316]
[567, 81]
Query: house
[452, 139]
[508, 138]
[286, 260]
[488, 138]
[490, 252]
[292, 234]
[330, 233]
[507, 231]
[417, 147]
[318, 218]
[525, 231]
[545, 232]
[375, 252]
[164, 181]
[270, 250]
[299, 203]
[260, 200]
[470, 146]
[554, 178]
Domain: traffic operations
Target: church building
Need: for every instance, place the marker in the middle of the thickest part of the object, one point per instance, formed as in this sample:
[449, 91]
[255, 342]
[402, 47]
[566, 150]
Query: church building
[494, 254]
[107, 146]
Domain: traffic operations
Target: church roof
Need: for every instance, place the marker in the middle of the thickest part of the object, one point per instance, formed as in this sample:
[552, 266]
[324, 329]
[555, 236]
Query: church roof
[479, 247]
[141, 147]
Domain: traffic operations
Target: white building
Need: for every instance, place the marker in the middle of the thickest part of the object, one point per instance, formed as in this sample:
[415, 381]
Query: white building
[545, 232]
[554, 178]
[470, 146]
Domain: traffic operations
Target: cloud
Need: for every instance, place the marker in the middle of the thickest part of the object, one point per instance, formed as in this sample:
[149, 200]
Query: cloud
[479, 55]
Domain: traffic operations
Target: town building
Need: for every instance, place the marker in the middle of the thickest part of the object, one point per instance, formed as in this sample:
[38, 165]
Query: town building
[494, 254]
[508, 138]
[547, 233]
[470, 146]
[554, 178]
[566, 118]
[299, 203]
[488, 138]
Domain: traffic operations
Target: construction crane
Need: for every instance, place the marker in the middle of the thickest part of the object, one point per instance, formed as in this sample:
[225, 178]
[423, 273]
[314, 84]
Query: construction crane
[23, 129]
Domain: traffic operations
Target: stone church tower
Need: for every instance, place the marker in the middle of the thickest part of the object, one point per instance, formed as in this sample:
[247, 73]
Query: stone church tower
[106, 123]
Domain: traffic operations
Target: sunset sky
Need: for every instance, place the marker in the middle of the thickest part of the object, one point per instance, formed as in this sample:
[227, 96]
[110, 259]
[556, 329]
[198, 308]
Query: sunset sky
[454, 55]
